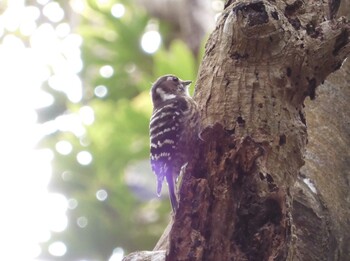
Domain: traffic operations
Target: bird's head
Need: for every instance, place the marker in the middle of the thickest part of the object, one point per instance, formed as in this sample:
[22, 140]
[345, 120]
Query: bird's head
[168, 87]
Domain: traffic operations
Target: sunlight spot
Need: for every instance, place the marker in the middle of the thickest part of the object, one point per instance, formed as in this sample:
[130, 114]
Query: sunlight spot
[57, 248]
[43, 235]
[82, 222]
[43, 73]
[2, 29]
[57, 205]
[74, 90]
[31, 13]
[64, 147]
[55, 82]
[12, 18]
[42, 2]
[87, 115]
[72, 203]
[35, 250]
[44, 43]
[101, 195]
[74, 40]
[70, 48]
[11, 41]
[71, 123]
[28, 18]
[43, 99]
[30, 251]
[40, 165]
[84, 157]
[27, 28]
[118, 10]
[70, 84]
[150, 41]
[106, 71]
[63, 30]
[54, 12]
[47, 128]
[100, 91]
[58, 223]
[118, 254]
[57, 202]
[78, 6]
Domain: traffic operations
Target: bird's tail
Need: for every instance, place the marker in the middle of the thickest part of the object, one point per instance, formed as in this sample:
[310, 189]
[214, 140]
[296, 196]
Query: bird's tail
[159, 186]
[172, 194]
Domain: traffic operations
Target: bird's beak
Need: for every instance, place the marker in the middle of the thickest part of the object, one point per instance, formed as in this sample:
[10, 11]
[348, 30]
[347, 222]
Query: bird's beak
[185, 83]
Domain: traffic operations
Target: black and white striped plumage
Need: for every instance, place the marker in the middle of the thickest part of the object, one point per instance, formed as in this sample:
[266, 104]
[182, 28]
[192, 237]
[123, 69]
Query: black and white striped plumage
[173, 128]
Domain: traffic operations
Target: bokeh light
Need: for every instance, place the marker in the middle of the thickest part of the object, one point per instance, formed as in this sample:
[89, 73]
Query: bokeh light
[101, 91]
[33, 52]
[54, 12]
[57, 248]
[87, 115]
[118, 254]
[82, 222]
[150, 41]
[64, 147]
[84, 157]
[118, 10]
[72, 203]
[101, 195]
[106, 71]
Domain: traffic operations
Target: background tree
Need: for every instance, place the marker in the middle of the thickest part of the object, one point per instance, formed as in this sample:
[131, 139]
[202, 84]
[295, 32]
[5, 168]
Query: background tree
[244, 196]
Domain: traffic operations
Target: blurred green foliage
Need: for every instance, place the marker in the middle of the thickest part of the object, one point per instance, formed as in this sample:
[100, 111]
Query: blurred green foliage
[131, 217]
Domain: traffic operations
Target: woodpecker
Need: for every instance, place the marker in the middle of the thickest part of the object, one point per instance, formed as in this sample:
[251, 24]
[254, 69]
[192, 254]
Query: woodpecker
[173, 131]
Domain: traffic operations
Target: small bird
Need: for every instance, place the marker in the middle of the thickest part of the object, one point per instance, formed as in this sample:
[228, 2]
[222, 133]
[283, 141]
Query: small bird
[173, 130]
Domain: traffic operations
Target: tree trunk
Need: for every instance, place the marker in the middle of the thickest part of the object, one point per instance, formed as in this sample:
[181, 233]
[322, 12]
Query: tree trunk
[245, 195]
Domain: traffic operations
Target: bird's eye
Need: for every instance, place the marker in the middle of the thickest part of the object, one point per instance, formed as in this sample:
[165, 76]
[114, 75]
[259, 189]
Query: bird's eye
[175, 79]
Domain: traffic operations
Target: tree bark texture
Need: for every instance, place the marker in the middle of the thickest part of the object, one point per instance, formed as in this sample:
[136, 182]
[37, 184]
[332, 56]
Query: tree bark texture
[326, 169]
[238, 200]
[247, 193]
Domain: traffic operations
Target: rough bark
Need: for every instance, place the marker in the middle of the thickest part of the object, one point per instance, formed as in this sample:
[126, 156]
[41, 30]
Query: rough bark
[244, 195]
[261, 62]
[322, 192]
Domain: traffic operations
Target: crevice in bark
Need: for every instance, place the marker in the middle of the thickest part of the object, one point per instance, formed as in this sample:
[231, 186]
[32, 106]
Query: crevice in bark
[333, 7]
[229, 182]
[283, 140]
[291, 9]
[341, 40]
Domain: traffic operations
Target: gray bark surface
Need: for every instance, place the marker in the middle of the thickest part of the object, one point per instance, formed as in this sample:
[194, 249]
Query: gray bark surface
[248, 192]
